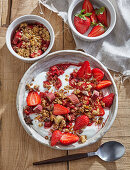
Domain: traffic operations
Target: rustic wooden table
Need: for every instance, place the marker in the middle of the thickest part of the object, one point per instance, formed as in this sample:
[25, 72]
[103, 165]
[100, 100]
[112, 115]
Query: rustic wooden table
[17, 149]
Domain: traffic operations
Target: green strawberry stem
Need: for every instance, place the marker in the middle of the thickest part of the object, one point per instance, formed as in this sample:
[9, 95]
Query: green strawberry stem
[82, 15]
[100, 10]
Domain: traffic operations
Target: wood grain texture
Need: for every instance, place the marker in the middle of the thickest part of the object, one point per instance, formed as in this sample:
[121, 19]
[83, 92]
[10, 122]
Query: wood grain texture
[17, 149]
[5, 9]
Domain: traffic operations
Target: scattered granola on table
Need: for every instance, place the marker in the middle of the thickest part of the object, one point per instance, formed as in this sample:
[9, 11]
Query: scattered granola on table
[31, 40]
[69, 111]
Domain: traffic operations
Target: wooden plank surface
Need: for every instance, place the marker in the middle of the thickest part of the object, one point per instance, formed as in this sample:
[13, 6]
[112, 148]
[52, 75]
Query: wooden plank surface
[17, 149]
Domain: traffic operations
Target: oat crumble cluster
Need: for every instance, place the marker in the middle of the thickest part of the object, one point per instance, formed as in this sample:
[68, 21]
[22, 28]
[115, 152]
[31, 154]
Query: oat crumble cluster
[31, 40]
[67, 115]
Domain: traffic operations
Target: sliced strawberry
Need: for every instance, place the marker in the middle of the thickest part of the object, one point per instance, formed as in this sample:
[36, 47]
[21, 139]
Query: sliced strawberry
[108, 100]
[17, 37]
[97, 74]
[84, 71]
[82, 24]
[93, 18]
[103, 84]
[60, 110]
[97, 30]
[20, 44]
[102, 15]
[81, 122]
[100, 110]
[35, 54]
[68, 138]
[56, 135]
[33, 98]
[87, 6]
[73, 98]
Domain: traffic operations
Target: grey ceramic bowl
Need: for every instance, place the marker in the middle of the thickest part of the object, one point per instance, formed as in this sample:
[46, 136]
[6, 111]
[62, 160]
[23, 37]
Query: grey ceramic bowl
[43, 65]
[76, 7]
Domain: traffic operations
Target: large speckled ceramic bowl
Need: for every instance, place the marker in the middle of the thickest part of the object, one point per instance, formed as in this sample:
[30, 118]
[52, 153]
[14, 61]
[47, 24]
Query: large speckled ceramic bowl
[63, 56]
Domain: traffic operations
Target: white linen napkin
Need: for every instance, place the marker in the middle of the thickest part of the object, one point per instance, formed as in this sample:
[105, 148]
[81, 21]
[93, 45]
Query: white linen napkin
[114, 50]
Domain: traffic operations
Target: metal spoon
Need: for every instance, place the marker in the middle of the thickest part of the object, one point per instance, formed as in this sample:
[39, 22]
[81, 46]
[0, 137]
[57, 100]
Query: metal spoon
[109, 151]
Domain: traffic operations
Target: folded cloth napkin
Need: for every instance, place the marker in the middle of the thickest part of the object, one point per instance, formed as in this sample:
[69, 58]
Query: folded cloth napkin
[114, 50]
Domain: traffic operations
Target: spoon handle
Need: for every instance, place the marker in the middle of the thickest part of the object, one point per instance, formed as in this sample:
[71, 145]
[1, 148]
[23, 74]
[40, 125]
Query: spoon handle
[65, 158]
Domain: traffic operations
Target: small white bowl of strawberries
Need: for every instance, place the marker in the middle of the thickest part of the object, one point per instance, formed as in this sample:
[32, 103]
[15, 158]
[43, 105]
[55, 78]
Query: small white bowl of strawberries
[91, 20]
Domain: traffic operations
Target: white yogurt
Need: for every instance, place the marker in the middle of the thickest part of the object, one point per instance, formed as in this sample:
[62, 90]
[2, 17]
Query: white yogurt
[89, 131]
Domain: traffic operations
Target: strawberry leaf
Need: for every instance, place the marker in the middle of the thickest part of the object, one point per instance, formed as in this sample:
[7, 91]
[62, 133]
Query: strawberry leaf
[100, 11]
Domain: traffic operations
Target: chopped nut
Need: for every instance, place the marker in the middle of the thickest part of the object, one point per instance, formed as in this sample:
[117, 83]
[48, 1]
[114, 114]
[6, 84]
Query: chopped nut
[83, 138]
[46, 137]
[58, 119]
[40, 124]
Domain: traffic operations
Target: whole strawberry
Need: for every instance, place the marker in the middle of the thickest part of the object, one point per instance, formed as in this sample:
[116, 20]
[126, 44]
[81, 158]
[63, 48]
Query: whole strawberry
[87, 6]
[102, 15]
[82, 22]
[108, 100]
[81, 122]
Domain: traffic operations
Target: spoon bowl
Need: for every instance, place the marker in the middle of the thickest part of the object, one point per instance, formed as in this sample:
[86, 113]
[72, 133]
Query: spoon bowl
[111, 151]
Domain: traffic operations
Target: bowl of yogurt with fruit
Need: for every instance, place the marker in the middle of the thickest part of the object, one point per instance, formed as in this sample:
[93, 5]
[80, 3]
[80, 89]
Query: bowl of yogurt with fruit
[67, 100]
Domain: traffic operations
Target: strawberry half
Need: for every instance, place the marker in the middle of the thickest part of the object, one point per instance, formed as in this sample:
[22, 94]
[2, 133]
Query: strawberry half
[97, 30]
[17, 37]
[60, 110]
[103, 84]
[97, 74]
[55, 138]
[81, 122]
[87, 6]
[33, 98]
[82, 22]
[108, 100]
[93, 18]
[68, 138]
[84, 71]
[102, 15]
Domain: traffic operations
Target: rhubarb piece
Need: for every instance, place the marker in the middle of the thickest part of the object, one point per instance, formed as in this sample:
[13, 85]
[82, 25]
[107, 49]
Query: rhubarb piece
[38, 108]
[74, 99]
[50, 96]
[95, 95]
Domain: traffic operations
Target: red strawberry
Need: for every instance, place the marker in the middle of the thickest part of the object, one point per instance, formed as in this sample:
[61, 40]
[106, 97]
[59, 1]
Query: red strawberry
[33, 98]
[82, 24]
[84, 71]
[56, 135]
[81, 122]
[97, 74]
[103, 84]
[102, 15]
[35, 54]
[68, 138]
[17, 37]
[101, 110]
[108, 100]
[97, 30]
[94, 19]
[87, 6]
[47, 124]
[60, 110]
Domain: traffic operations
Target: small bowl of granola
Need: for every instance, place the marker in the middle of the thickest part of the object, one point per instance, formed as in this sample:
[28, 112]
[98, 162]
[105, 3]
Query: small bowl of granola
[30, 37]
